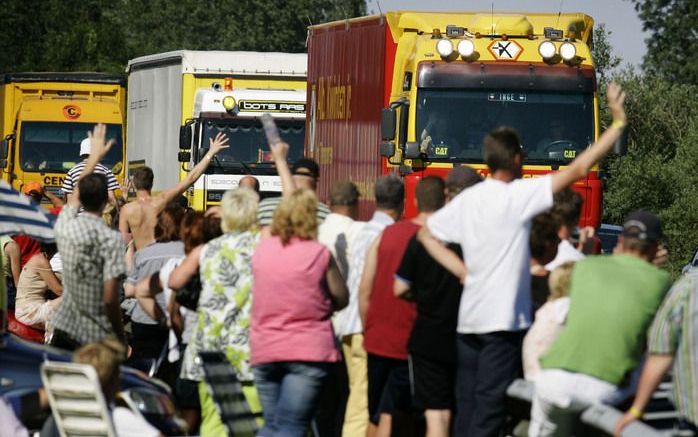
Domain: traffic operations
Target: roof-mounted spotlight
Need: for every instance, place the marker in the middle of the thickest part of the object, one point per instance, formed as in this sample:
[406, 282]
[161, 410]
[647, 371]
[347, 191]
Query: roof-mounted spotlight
[466, 48]
[444, 47]
[547, 50]
[568, 51]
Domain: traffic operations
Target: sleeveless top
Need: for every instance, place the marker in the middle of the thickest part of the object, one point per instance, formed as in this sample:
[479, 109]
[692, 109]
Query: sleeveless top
[389, 319]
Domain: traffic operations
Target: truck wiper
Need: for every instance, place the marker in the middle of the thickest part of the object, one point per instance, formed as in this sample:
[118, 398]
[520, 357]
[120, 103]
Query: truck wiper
[453, 159]
[228, 164]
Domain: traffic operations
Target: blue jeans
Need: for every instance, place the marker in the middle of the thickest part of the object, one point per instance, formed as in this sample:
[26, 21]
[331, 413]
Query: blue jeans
[289, 394]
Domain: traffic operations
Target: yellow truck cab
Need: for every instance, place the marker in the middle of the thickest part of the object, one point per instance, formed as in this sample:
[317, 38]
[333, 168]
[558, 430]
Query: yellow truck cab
[416, 92]
[180, 100]
[45, 116]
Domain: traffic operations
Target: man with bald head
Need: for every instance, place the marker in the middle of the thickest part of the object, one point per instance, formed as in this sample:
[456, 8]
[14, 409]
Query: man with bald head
[250, 182]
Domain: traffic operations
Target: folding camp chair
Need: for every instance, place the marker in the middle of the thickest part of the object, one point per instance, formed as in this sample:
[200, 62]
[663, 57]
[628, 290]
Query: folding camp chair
[76, 400]
[226, 391]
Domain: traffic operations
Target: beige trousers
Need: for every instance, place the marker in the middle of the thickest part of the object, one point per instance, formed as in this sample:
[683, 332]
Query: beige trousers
[356, 415]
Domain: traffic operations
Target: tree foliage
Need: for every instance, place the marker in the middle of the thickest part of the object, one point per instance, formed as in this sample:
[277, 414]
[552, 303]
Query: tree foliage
[602, 52]
[659, 172]
[101, 35]
[673, 38]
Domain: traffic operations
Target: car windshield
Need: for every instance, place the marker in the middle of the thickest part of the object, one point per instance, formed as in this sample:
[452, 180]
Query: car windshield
[55, 146]
[248, 143]
[554, 126]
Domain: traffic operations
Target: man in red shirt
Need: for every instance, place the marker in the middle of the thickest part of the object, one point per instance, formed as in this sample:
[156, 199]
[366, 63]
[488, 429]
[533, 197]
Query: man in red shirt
[387, 319]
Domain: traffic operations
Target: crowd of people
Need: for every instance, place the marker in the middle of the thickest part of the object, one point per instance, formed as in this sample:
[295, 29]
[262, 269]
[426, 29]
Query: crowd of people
[387, 327]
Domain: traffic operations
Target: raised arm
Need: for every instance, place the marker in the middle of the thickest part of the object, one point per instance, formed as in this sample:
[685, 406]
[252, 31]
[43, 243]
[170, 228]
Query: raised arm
[280, 153]
[215, 146]
[583, 163]
[99, 149]
[367, 278]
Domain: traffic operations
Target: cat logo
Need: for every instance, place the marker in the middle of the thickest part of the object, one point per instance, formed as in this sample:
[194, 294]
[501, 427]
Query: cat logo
[570, 154]
[71, 112]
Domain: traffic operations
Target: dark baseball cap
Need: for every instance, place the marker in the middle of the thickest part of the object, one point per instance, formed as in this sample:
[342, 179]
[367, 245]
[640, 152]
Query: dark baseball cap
[643, 225]
[306, 167]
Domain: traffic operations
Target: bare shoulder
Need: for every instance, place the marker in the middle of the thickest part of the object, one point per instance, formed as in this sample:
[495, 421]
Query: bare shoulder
[128, 207]
[40, 261]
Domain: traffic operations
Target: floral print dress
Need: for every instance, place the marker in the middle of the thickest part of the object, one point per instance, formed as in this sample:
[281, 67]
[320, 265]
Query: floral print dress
[224, 304]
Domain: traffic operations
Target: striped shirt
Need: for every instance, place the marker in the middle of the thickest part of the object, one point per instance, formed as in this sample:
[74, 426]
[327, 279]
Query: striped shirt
[265, 213]
[74, 174]
[675, 332]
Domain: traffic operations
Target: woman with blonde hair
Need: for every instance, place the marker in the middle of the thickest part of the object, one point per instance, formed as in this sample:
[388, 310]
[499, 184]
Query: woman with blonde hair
[223, 312]
[297, 286]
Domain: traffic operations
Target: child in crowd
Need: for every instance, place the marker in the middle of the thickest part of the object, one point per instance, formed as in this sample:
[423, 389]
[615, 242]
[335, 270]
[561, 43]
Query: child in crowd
[549, 320]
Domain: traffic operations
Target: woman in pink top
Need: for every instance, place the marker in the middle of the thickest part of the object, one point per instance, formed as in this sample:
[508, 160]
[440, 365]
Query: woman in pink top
[296, 287]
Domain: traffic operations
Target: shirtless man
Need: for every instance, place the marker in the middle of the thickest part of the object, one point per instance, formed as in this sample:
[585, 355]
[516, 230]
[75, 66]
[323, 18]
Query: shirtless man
[138, 219]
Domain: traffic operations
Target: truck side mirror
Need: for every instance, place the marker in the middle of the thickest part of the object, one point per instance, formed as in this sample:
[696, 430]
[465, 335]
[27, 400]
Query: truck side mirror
[4, 147]
[388, 124]
[412, 150]
[620, 148]
[185, 137]
[387, 150]
[184, 156]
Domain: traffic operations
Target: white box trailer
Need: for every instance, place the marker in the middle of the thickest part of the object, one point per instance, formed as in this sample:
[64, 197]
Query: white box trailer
[178, 100]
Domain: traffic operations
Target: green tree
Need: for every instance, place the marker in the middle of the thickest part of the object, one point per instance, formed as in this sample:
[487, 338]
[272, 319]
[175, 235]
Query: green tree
[673, 38]
[605, 60]
[658, 173]
[101, 35]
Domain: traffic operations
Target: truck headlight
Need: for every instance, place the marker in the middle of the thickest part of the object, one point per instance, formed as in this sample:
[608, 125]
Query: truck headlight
[229, 103]
[568, 51]
[444, 47]
[466, 48]
[546, 50]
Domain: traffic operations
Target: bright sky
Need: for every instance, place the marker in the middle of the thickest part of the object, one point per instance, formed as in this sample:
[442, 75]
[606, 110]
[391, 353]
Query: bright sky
[619, 16]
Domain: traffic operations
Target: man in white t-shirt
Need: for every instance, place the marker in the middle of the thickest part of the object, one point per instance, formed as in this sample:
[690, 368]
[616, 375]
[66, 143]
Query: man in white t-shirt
[340, 228]
[491, 221]
[338, 233]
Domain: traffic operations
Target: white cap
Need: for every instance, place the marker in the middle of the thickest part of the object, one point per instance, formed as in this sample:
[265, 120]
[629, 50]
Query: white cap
[85, 147]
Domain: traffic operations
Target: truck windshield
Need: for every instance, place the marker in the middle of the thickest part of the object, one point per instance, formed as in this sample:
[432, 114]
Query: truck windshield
[248, 143]
[55, 146]
[554, 126]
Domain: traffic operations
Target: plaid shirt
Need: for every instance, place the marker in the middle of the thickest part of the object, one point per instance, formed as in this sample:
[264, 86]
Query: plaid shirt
[675, 332]
[92, 254]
